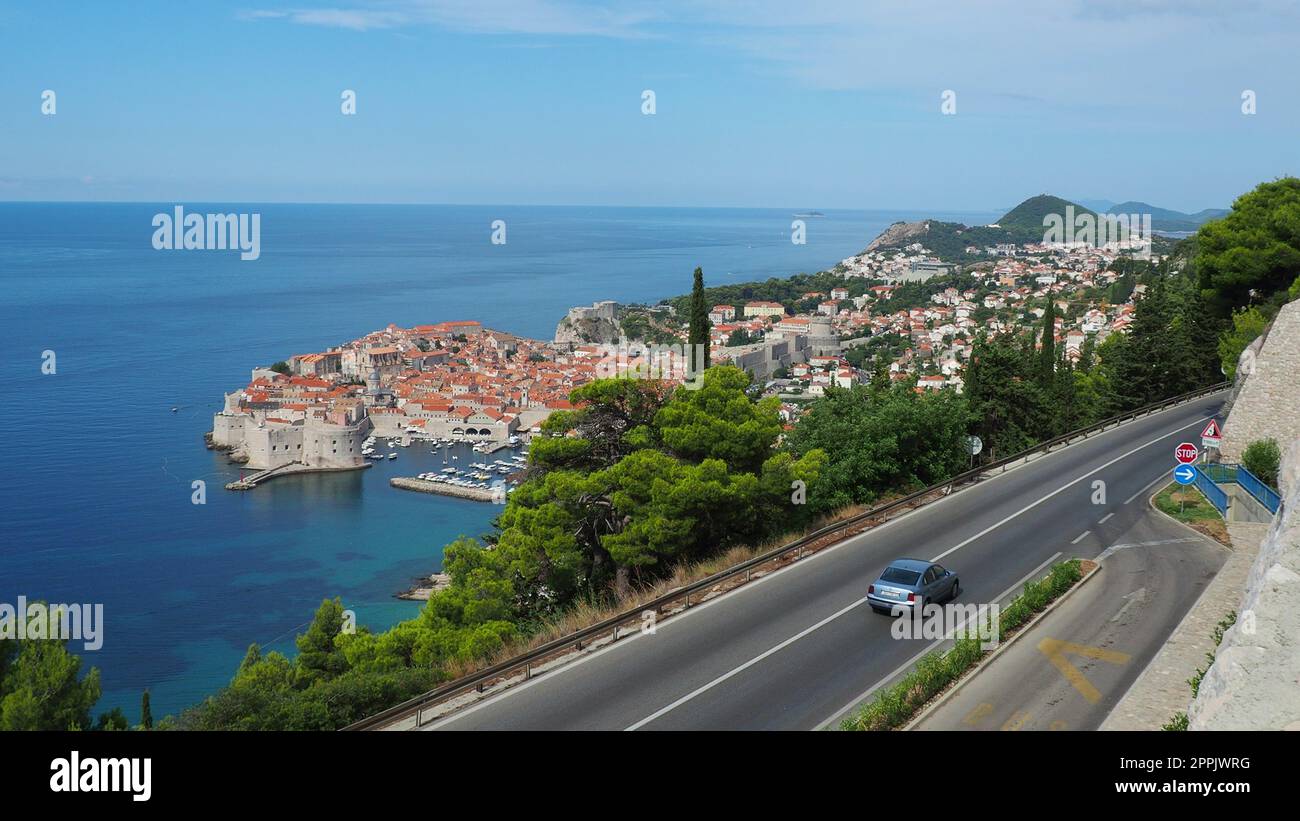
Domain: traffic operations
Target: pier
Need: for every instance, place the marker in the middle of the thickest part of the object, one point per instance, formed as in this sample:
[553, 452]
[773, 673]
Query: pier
[252, 480]
[476, 494]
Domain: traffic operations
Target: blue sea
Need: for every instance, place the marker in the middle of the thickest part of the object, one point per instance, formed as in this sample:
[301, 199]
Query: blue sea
[97, 498]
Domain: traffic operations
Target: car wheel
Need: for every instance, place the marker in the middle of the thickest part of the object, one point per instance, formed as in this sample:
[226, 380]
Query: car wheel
[956, 588]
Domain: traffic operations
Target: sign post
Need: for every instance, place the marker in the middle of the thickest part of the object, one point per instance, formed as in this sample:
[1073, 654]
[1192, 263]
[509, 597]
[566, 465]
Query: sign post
[1184, 474]
[1212, 435]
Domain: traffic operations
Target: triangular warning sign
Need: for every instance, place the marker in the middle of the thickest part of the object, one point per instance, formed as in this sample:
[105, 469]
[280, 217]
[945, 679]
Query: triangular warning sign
[1212, 431]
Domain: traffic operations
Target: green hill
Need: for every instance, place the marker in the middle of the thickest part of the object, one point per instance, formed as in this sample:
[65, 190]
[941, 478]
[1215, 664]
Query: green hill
[1028, 215]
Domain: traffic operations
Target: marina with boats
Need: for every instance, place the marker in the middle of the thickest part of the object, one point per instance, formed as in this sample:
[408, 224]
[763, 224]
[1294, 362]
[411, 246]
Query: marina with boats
[483, 480]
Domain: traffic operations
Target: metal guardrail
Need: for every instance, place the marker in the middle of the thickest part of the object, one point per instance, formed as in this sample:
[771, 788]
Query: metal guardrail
[1219, 471]
[1230, 472]
[1211, 491]
[1264, 494]
[618, 625]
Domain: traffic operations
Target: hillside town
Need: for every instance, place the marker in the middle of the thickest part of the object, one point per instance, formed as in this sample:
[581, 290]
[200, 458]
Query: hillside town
[459, 381]
[931, 335]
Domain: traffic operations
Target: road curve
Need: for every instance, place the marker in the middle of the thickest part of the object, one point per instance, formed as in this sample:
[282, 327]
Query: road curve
[797, 649]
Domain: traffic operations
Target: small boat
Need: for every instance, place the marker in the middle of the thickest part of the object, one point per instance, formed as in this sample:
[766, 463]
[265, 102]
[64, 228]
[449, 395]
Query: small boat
[174, 409]
[392, 456]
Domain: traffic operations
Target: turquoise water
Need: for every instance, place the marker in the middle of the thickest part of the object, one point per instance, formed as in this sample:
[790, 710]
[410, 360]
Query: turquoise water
[96, 499]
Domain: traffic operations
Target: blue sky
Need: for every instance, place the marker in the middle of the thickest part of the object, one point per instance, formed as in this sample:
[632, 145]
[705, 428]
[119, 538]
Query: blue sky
[780, 104]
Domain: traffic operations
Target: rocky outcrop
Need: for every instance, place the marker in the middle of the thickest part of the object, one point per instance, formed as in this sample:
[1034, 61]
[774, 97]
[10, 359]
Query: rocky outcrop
[1253, 681]
[900, 234]
[590, 324]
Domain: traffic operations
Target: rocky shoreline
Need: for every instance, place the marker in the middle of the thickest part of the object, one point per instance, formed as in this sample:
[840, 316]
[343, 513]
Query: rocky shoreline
[425, 587]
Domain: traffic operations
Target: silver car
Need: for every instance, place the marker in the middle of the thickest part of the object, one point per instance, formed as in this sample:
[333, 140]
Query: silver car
[907, 583]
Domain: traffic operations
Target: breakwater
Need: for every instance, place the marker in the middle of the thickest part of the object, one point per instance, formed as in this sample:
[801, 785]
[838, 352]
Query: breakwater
[476, 494]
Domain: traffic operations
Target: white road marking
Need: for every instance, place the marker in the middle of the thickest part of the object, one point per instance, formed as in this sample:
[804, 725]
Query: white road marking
[755, 660]
[1148, 487]
[1136, 597]
[1103, 519]
[1080, 537]
[1062, 488]
[1108, 551]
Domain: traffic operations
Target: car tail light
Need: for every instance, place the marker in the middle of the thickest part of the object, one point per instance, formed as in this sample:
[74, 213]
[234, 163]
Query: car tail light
[911, 597]
[871, 588]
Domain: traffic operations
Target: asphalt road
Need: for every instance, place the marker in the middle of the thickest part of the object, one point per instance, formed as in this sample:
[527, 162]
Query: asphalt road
[797, 649]
[1069, 670]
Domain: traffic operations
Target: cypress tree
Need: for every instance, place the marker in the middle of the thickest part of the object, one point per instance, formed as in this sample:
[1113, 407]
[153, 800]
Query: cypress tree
[146, 714]
[1047, 356]
[699, 327]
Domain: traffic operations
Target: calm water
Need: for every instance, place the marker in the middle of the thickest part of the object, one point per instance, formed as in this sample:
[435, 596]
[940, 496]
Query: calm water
[96, 501]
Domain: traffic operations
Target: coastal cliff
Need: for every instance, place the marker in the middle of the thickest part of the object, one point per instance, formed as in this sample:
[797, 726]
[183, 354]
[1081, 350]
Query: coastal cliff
[900, 234]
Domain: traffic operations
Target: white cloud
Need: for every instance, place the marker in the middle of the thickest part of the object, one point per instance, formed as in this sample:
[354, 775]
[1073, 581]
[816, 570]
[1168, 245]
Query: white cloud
[542, 17]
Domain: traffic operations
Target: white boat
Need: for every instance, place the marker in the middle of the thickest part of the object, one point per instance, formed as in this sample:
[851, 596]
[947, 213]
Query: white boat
[392, 456]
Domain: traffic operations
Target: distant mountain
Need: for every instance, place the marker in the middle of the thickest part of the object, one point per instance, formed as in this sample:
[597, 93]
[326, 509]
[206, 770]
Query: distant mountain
[1099, 206]
[1165, 219]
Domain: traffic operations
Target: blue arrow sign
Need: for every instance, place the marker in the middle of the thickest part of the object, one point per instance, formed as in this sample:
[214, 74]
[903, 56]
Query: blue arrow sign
[1185, 474]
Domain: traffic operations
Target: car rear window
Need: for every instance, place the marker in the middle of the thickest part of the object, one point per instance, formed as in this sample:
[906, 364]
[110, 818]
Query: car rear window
[897, 575]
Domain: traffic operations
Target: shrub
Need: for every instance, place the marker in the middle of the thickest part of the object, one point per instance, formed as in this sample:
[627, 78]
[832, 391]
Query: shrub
[1247, 324]
[1262, 458]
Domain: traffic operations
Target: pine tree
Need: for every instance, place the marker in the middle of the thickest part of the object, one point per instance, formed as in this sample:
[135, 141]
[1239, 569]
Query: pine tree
[1148, 366]
[1200, 340]
[1008, 408]
[699, 327]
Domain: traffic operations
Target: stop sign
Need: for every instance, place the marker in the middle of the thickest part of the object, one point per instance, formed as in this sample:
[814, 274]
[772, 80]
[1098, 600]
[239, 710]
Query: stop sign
[1185, 453]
